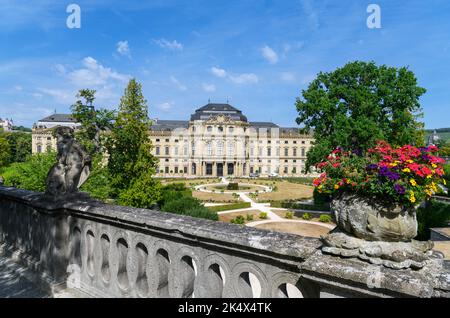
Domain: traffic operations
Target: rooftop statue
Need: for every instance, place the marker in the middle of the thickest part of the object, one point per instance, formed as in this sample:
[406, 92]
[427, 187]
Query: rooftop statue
[73, 166]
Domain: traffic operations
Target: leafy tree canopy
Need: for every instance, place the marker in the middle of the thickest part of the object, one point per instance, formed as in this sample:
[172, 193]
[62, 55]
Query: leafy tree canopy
[93, 121]
[358, 104]
[131, 163]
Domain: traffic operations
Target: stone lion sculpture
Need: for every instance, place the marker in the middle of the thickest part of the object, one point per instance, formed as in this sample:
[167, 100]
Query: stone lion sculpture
[73, 166]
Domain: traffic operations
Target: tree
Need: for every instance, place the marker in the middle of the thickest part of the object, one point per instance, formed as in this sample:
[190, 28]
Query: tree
[31, 174]
[20, 146]
[93, 122]
[358, 104]
[131, 163]
[5, 152]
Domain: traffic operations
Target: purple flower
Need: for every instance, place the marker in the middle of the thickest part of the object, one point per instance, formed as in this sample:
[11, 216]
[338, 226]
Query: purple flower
[399, 189]
[372, 166]
[391, 175]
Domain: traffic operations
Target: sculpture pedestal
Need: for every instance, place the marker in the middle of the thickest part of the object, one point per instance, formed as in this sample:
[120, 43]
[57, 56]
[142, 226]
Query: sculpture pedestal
[395, 255]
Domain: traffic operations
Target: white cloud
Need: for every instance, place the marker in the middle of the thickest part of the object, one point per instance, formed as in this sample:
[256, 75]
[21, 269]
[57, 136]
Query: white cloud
[62, 96]
[178, 84]
[219, 72]
[123, 48]
[246, 78]
[165, 107]
[287, 77]
[170, 45]
[94, 74]
[18, 88]
[269, 54]
[208, 87]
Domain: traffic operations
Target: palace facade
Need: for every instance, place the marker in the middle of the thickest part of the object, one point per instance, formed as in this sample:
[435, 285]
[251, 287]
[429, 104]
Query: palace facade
[218, 140]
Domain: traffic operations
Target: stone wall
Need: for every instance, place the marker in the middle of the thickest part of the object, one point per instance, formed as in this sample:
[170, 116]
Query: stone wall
[113, 251]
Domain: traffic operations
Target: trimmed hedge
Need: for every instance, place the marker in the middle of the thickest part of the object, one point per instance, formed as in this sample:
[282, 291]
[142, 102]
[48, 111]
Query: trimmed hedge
[227, 207]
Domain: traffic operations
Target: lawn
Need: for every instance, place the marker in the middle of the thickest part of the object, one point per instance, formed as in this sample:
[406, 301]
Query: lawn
[285, 190]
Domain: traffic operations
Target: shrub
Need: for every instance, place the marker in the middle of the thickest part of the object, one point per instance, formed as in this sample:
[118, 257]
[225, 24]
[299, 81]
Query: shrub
[238, 220]
[189, 206]
[249, 217]
[434, 214]
[325, 218]
[263, 215]
[233, 186]
[289, 215]
[306, 216]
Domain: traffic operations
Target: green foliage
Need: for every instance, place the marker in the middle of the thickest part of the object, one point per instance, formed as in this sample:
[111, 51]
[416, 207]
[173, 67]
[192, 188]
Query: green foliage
[20, 146]
[232, 186]
[31, 174]
[240, 220]
[22, 128]
[249, 217]
[325, 218]
[321, 199]
[434, 214]
[93, 121]
[263, 215]
[5, 152]
[229, 207]
[447, 176]
[131, 164]
[98, 184]
[358, 104]
[289, 215]
[306, 216]
[189, 206]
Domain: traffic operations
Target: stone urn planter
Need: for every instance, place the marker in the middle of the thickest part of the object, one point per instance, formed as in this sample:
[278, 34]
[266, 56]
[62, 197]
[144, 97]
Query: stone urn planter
[376, 232]
[372, 220]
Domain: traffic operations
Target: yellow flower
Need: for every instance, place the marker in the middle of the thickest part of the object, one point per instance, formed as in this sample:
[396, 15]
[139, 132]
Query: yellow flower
[409, 161]
[429, 176]
[412, 198]
[406, 170]
[320, 187]
[336, 186]
[413, 182]
[429, 192]
[445, 182]
[393, 165]
[434, 165]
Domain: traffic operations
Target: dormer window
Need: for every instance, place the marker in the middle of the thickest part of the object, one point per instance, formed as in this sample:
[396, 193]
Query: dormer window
[220, 129]
[231, 130]
[209, 129]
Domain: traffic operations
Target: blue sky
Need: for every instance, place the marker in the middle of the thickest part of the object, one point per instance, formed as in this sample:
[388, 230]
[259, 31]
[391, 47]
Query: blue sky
[258, 54]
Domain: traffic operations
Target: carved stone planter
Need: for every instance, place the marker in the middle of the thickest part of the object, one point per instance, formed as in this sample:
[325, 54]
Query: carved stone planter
[377, 233]
[374, 221]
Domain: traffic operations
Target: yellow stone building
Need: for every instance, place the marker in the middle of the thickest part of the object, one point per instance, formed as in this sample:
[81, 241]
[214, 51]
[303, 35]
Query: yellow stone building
[218, 140]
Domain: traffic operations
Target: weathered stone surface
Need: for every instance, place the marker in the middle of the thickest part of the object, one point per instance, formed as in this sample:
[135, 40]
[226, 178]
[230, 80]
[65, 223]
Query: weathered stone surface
[396, 255]
[72, 168]
[112, 251]
[374, 221]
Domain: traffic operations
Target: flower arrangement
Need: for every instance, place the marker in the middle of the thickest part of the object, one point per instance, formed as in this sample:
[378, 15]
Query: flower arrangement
[404, 175]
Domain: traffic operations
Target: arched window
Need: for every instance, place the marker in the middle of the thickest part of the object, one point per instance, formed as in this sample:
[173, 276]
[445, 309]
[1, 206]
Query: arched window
[209, 129]
[303, 152]
[193, 148]
[39, 148]
[295, 152]
[231, 130]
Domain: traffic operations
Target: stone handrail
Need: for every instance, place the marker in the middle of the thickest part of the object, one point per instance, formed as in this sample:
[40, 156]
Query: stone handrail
[114, 251]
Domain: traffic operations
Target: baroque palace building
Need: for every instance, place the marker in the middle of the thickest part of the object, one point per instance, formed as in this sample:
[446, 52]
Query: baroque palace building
[218, 140]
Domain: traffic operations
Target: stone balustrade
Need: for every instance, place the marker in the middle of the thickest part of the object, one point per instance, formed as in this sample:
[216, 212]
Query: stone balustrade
[113, 251]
